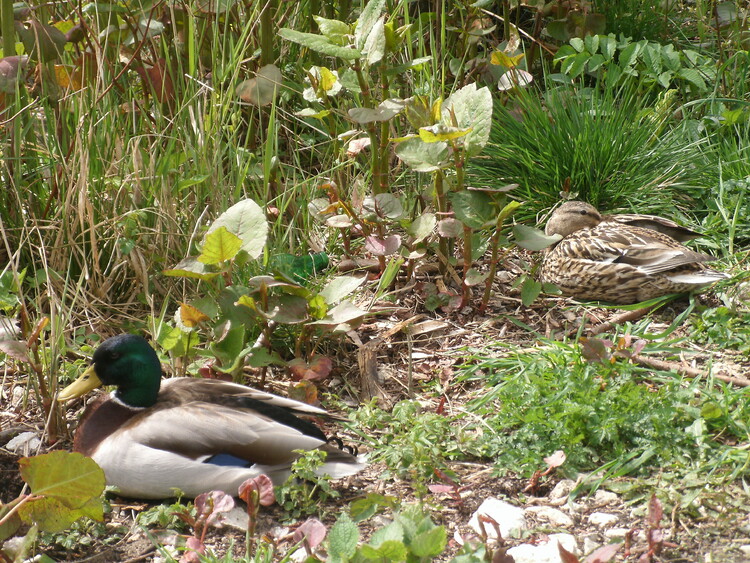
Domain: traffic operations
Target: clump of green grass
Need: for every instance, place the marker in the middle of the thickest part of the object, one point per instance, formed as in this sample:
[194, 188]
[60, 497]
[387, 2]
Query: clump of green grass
[602, 414]
[612, 150]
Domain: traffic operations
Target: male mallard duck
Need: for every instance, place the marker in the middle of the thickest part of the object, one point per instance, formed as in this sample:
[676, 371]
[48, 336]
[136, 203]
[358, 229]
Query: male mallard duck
[196, 435]
[621, 258]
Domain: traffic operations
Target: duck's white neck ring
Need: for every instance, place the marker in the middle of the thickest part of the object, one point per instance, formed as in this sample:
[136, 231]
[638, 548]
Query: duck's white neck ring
[116, 399]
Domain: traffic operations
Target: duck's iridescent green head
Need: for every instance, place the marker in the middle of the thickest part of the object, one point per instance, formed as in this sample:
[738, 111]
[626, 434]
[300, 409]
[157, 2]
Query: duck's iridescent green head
[126, 361]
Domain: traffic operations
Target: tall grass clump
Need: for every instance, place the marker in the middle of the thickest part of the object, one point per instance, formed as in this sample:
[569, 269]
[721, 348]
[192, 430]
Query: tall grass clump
[611, 150]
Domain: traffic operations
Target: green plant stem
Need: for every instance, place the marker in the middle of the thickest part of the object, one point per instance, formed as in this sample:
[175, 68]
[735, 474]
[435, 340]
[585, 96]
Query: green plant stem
[6, 28]
[441, 208]
[267, 55]
[495, 244]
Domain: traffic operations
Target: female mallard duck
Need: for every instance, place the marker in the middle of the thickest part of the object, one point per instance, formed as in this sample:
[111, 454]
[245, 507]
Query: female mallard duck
[196, 435]
[621, 258]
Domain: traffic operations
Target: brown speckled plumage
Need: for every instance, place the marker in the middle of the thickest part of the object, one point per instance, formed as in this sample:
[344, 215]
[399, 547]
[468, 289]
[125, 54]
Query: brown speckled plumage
[621, 258]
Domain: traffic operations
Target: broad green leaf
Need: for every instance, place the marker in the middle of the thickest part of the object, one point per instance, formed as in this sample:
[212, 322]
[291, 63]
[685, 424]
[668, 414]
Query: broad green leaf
[246, 220]
[629, 55]
[533, 239]
[392, 532]
[374, 48]
[665, 79]
[577, 44]
[228, 350]
[287, 309]
[711, 411]
[190, 267]
[334, 30]
[52, 515]
[384, 205]
[319, 44]
[391, 550]
[652, 58]
[595, 62]
[473, 208]
[41, 41]
[343, 538]
[386, 110]
[367, 20]
[423, 157]
[530, 291]
[12, 524]
[300, 268]
[219, 246]
[671, 58]
[575, 65]
[609, 46]
[71, 478]
[340, 287]
[693, 76]
[430, 543]
[344, 312]
[592, 43]
[563, 53]
[472, 109]
[422, 227]
[261, 357]
[263, 89]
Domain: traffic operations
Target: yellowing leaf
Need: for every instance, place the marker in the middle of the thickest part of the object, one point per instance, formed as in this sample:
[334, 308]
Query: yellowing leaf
[191, 316]
[219, 246]
[503, 59]
[69, 486]
[68, 77]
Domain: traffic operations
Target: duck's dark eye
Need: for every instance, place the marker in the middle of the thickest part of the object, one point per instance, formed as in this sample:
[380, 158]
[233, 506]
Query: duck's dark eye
[114, 355]
[583, 212]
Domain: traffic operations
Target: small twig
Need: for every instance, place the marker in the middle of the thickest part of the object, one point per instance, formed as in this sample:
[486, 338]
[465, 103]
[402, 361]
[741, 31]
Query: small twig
[685, 370]
[625, 317]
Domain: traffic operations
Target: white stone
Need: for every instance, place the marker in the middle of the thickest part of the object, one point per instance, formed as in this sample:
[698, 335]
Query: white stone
[616, 532]
[554, 516]
[591, 542]
[544, 552]
[602, 519]
[236, 518]
[509, 518]
[602, 497]
[24, 443]
[745, 549]
[562, 489]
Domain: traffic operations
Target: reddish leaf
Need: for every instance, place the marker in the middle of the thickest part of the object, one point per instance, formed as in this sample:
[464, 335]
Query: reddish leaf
[16, 349]
[565, 555]
[210, 506]
[604, 553]
[383, 246]
[595, 349]
[312, 530]
[556, 459]
[304, 391]
[318, 369]
[655, 511]
[261, 484]
[195, 547]
[438, 489]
